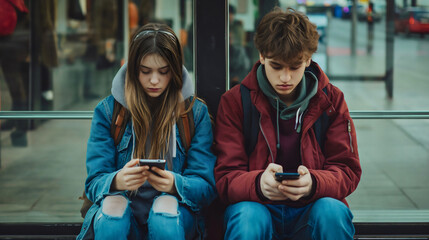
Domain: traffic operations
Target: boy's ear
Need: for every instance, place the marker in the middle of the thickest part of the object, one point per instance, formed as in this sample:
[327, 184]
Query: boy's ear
[308, 62]
[261, 58]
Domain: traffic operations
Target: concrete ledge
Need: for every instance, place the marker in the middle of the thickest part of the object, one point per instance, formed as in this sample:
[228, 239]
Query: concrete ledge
[364, 230]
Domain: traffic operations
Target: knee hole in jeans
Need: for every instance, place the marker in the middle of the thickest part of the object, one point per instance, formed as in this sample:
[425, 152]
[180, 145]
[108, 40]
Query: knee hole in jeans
[115, 205]
[165, 204]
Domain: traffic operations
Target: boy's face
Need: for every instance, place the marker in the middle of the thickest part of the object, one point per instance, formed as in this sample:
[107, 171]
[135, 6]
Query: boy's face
[284, 78]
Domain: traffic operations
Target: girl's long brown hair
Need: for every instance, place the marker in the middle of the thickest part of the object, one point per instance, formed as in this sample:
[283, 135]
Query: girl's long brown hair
[154, 116]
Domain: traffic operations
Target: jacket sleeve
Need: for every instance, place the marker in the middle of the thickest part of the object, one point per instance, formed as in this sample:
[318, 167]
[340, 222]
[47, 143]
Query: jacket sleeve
[341, 170]
[234, 181]
[196, 185]
[100, 160]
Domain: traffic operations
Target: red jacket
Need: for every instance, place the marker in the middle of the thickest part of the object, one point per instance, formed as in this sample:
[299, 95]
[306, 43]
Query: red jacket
[336, 173]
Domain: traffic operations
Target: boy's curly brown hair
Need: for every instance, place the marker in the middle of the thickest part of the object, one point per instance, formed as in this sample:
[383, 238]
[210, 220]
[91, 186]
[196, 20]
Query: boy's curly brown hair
[288, 36]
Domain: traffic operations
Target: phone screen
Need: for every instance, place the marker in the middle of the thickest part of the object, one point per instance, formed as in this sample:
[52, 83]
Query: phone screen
[159, 163]
[286, 176]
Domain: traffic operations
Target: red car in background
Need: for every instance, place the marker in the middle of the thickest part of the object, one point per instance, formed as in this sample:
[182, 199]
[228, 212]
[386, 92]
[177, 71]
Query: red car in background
[412, 20]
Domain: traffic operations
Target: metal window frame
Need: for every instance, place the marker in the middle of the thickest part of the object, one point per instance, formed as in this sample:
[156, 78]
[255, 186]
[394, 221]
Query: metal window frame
[82, 115]
[210, 51]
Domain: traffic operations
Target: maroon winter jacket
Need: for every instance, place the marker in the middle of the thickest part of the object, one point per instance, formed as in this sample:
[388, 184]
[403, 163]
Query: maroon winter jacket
[335, 173]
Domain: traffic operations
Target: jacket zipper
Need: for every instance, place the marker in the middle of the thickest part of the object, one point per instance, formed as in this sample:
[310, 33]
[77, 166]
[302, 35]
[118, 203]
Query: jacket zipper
[263, 134]
[349, 129]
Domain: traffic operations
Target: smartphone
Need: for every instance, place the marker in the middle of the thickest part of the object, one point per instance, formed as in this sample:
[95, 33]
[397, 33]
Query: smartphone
[159, 163]
[286, 176]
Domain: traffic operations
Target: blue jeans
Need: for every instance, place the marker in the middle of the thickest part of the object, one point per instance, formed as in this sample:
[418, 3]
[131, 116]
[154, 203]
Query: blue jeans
[326, 218]
[159, 225]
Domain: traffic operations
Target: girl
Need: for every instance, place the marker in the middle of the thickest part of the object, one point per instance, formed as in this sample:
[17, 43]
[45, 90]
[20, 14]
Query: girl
[129, 200]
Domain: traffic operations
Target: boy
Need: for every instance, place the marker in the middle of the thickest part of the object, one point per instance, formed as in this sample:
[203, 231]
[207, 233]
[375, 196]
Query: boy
[290, 92]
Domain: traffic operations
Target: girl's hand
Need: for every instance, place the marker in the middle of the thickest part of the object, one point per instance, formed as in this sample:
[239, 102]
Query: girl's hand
[269, 185]
[163, 182]
[130, 177]
[296, 189]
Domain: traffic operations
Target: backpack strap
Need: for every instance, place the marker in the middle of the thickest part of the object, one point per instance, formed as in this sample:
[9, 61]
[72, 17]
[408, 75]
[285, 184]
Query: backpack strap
[120, 118]
[250, 120]
[321, 126]
[186, 126]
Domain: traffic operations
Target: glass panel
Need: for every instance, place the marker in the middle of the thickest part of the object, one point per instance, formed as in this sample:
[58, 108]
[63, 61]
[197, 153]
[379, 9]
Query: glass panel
[393, 153]
[43, 182]
[394, 157]
[15, 66]
[76, 48]
[242, 53]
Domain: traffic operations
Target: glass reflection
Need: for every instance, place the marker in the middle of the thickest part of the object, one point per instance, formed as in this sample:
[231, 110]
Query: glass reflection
[75, 50]
[14, 64]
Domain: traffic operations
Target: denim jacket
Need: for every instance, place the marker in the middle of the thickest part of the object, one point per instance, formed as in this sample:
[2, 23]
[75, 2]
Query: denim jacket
[193, 171]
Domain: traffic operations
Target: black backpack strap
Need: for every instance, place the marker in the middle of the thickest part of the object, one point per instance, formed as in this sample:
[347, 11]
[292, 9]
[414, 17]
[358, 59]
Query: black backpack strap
[321, 126]
[250, 120]
[120, 118]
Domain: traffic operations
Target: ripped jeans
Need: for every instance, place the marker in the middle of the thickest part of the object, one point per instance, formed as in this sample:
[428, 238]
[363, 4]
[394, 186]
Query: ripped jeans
[167, 220]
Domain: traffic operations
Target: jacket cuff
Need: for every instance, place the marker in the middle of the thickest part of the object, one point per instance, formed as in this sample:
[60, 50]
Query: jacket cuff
[313, 189]
[258, 188]
[182, 186]
[105, 190]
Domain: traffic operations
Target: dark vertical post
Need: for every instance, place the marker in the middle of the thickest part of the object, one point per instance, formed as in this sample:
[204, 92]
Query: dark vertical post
[390, 28]
[182, 14]
[210, 50]
[0, 133]
[353, 28]
[34, 94]
[265, 6]
[370, 27]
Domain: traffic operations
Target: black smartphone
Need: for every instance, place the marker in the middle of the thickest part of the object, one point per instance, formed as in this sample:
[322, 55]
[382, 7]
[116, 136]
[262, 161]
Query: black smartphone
[159, 163]
[286, 176]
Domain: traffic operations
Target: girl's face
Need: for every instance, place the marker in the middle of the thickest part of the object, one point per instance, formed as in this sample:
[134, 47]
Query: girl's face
[283, 78]
[154, 74]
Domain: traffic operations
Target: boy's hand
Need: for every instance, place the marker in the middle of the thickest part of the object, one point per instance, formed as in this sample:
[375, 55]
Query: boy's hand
[296, 189]
[269, 185]
[130, 177]
[163, 182]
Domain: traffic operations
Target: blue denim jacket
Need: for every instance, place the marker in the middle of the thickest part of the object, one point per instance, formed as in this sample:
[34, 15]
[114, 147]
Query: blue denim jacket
[193, 171]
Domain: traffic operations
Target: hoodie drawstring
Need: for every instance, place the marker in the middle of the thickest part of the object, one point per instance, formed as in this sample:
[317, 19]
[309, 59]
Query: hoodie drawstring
[278, 126]
[298, 120]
